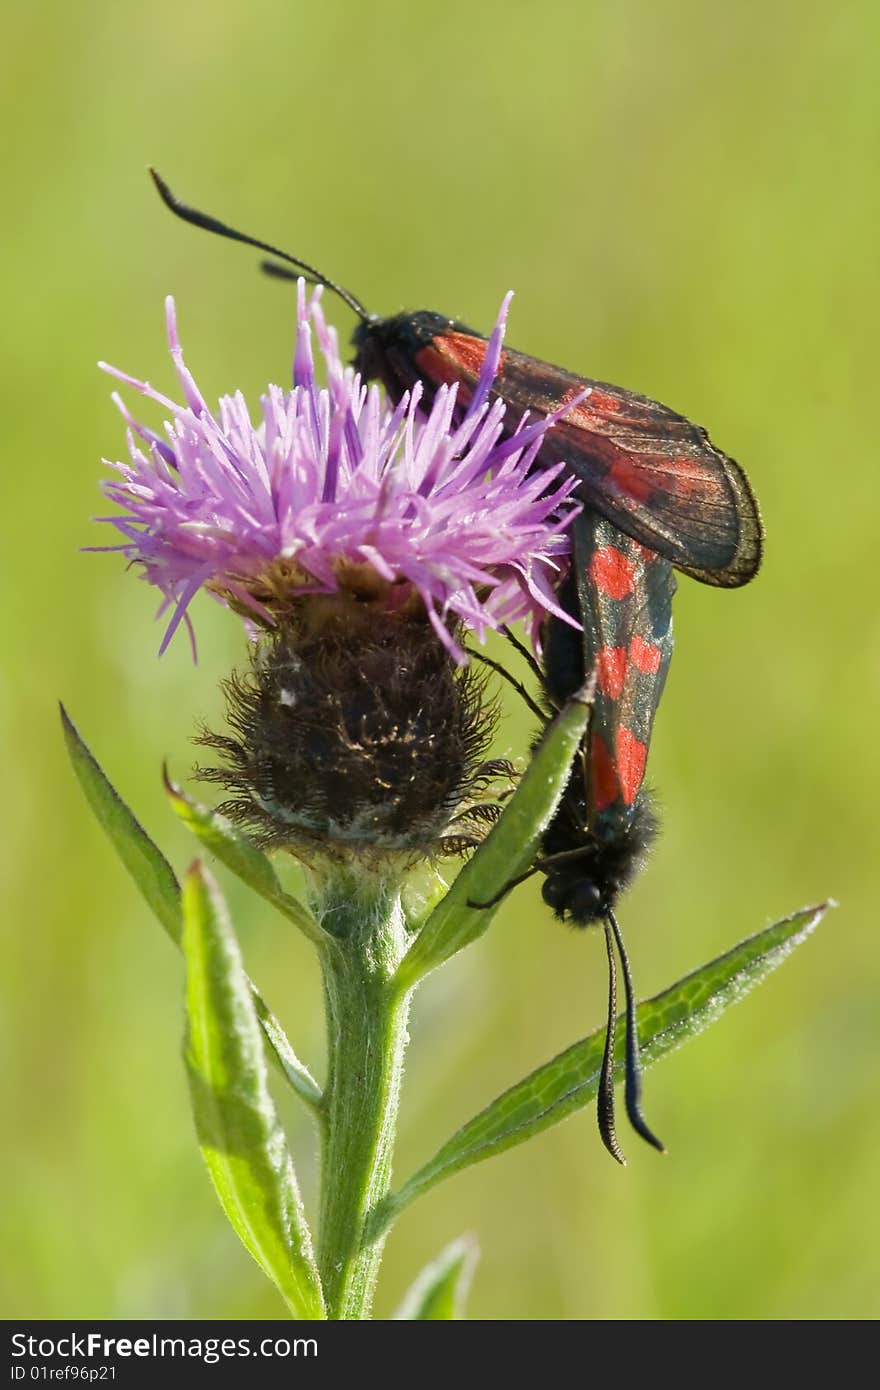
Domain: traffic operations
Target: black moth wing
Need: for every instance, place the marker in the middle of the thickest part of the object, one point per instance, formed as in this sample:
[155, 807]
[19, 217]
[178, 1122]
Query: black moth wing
[652, 472]
[595, 843]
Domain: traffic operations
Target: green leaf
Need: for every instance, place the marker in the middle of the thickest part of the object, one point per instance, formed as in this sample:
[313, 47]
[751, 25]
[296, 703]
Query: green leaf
[236, 851]
[145, 862]
[570, 1081]
[441, 1290]
[295, 1071]
[508, 850]
[158, 883]
[240, 1137]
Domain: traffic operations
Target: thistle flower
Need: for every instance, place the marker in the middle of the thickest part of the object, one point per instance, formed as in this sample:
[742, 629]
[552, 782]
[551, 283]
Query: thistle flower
[360, 541]
[334, 490]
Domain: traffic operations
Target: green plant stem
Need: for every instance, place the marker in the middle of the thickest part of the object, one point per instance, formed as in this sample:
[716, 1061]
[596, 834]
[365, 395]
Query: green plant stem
[367, 1015]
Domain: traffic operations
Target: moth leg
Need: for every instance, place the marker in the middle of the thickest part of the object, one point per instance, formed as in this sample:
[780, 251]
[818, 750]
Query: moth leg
[508, 887]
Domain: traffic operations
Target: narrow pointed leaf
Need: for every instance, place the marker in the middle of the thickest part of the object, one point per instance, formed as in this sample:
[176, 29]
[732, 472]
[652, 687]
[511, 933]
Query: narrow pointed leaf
[239, 1134]
[441, 1290]
[236, 851]
[509, 849]
[295, 1071]
[570, 1081]
[143, 859]
[158, 883]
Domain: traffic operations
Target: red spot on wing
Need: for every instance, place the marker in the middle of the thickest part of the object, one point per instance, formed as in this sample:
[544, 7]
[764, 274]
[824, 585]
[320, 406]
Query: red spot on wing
[611, 572]
[632, 478]
[592, 408]
[453, 357]
[610, 670]
[468, 351]
[604, 784]
[603, 403]
[631, 758]
[693, 477]
[647, 556]
[644, 656]
[436, 367]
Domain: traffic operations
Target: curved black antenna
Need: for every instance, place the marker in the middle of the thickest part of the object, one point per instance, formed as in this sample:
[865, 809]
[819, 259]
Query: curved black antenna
[211, 224]
[605, 1097]
[280, 272]
[503, 892]
[633, 1089]
[524, 652]
[511, 680]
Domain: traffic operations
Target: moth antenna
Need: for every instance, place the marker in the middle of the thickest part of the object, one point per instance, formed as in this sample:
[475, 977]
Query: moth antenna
[633, 1087]
[280, 272]
[524, 653]
[511, 680]
[605, 1098]
[212, 224]
[503, 892]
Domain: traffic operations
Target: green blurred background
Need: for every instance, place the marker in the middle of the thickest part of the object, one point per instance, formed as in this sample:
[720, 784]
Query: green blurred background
[685, 197]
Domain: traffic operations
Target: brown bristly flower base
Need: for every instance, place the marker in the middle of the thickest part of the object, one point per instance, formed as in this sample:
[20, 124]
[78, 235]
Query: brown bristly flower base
[356, 735]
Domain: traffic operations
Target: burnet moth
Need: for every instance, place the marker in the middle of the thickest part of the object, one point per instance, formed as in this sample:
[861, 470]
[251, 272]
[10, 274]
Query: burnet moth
[604, 824]
[653, 473]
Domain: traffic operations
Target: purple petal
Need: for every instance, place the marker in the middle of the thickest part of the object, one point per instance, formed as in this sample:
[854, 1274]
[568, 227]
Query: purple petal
[453, 512]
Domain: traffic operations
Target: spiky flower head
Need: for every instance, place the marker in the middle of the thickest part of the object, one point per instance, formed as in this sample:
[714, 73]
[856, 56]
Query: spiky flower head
[361, 540]
[335, 489]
